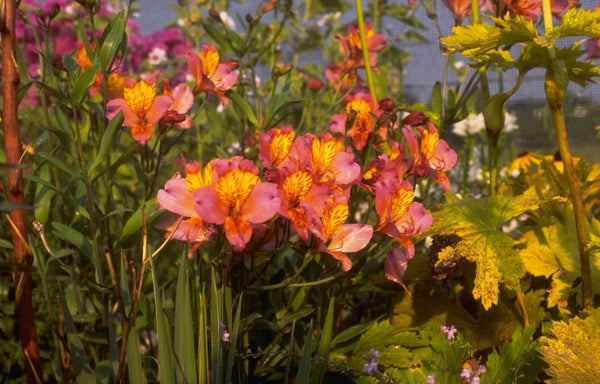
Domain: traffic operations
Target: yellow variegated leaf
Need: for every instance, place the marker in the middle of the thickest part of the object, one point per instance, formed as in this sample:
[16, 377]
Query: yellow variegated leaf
[573, 351]
[539, 260]
[578, 22]
[559, 293]
[487, 277]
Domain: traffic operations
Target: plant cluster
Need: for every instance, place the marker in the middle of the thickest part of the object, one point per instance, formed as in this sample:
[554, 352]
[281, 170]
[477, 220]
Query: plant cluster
[206, 204]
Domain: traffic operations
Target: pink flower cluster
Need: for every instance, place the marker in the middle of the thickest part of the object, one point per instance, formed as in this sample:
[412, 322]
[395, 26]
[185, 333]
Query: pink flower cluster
[306, 183]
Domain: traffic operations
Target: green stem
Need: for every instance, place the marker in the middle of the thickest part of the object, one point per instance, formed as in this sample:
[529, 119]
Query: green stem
[475, 11]
[364, 49]
[555, 92]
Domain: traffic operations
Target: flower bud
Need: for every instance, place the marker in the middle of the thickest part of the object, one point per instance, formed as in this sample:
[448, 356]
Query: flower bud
[281, 69]
[54, 11]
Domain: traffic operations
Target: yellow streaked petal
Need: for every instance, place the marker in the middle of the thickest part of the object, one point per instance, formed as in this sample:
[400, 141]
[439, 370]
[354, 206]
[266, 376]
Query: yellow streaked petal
[209, 58]
[140, 97]
[296, 186]
[401, 201]
[280, 146]
[234, 188]
[333, 219]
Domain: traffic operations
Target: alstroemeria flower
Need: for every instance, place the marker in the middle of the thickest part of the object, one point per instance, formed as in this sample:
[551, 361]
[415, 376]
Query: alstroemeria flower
[300, 195]
[177, 197]
[212, 74]
[387, 167]
[327, 159]
[183, 99]
[433, 156]
[82, 58]
[141, 107]
[336, 237]
[352, 46]
[459, 8]
[400, 217]
[275, 146]
[237, 200]
[359, 108]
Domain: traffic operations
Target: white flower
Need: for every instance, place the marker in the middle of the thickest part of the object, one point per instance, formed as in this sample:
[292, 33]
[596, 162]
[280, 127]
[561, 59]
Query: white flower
[181, 22]
[459, 64]
[227, 20]
[472, 125]
[327, 17]
[510, 122]
[157, 56]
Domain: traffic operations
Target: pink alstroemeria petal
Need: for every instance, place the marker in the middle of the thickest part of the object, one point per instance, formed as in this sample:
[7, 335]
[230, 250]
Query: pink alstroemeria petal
[115, 106]
[351, 238]
[176, 197]
[158, 109]
[342, 258]
[262, 204]
[395, 265]
[209, 207]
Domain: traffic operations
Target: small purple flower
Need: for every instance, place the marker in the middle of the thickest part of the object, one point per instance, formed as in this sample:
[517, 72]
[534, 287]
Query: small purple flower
[430, 379]
[371, 364]
[225, 336]
[450, 332]
[475, 380]
[466, 372]
[481, 369]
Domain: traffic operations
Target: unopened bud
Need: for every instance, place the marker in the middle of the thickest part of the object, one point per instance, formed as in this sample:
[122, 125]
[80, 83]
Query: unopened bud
[281, 69]
[214, 14]
[54, 11]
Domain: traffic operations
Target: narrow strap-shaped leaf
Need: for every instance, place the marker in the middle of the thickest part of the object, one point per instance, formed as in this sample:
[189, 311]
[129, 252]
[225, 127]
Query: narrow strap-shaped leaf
[303, 375]
[234, 332]
[81, 363]
[134, 360]
[108, 141]
[324, 344]
[185, 350]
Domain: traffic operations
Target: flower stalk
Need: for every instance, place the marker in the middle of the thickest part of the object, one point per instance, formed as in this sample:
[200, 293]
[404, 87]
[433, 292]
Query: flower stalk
[364, 49]
[555, 87]
[17, 216]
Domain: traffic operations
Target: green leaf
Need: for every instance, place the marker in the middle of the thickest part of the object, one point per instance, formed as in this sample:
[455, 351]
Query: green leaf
[59, 164]
[393, 342]
[478, 222]
[245, 108]
[185, 350]
[112, 38]
[350, 333]
[166, 359]
[79, 358]
[134, 360]
[516, 361]
[303, 375]
[475, 40]
[82, 85]
[108, 141]
[134, 223]
[324, 344]
[72, 236]
[577, 22]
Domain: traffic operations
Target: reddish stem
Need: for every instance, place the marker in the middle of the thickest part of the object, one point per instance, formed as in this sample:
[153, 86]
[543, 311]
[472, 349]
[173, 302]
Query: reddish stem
[15, 194]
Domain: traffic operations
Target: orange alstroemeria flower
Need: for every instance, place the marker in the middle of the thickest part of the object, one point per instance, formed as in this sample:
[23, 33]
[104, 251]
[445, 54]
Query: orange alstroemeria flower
[275, 146]
[210, 73]
[237, 200]
[359, 108]
[327, 159]
[141, 108]
[336, 237]
[177, 197]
